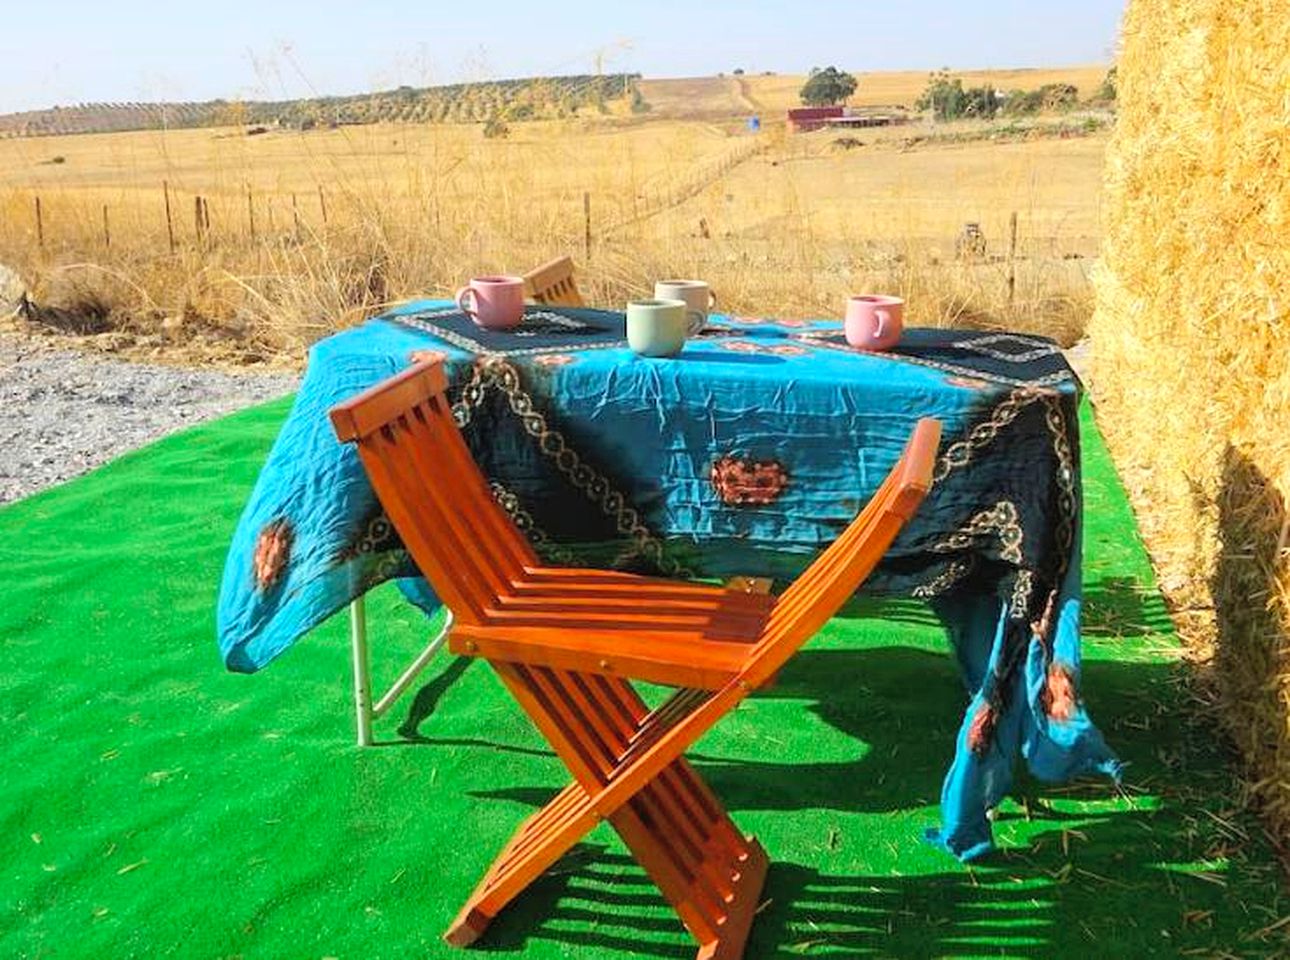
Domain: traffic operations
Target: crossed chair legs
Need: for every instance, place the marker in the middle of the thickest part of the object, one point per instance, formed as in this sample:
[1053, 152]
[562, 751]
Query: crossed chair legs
[671, 821]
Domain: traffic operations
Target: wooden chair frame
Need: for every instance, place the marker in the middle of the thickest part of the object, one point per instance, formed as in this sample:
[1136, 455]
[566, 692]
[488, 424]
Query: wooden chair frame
[566, 642]
[553, 284]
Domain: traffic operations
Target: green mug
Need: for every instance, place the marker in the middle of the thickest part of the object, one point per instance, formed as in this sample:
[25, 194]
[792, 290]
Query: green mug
[656, 328]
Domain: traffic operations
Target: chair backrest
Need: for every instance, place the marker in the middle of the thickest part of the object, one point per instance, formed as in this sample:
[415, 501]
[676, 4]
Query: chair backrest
[799, 612]
[552, 284]
[432, 489]
[836, 574]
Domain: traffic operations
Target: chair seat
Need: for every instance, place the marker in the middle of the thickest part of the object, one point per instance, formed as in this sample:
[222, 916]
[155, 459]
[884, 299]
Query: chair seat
[671, 632]
[601, 591]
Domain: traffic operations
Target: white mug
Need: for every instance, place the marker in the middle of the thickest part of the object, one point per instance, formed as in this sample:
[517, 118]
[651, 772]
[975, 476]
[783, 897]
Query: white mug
[698, 297]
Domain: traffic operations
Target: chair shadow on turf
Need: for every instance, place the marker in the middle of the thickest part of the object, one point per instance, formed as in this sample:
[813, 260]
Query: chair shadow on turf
[1082, 877]
[1085, 875]
[1103, 888]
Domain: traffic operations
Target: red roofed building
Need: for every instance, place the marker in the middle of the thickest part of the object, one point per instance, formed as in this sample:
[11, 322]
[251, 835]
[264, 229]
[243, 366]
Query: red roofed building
[811, 118]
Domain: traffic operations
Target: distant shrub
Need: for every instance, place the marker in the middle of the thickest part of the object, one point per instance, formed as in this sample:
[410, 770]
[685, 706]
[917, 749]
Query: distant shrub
[1059, 96]
[1051, 96]
[946, 98]
[1020, 103]
[1107, 92]
[496, 129]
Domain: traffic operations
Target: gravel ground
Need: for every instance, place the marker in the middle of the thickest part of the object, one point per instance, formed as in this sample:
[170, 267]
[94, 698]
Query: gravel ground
[68, 412]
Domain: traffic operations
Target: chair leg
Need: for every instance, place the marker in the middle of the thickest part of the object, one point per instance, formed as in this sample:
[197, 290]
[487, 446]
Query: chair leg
[710, 874]
[535, 847]
[675, 826]
[715, 887]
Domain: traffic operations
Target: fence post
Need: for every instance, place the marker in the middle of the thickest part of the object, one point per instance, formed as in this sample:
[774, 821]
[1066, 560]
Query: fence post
[295, 215]
[202, 218]
[40, 223]
[322, 203]
[586, 220]
[107, 233]
[250, 211]
[170, 225]
[1012, 258]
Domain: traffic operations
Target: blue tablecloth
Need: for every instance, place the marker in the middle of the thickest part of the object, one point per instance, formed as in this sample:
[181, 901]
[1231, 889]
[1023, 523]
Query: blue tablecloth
[746, 455]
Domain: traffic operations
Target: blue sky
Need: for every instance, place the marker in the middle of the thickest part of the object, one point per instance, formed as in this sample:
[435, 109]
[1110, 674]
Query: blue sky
[69, 51]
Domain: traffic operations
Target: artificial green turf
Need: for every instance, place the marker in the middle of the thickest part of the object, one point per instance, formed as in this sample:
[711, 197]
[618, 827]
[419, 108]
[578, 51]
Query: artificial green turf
[154, 805]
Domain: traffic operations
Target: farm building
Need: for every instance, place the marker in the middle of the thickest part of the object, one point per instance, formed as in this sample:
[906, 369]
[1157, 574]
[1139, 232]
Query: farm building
[852, 121]
[802, 119]
[805, 119]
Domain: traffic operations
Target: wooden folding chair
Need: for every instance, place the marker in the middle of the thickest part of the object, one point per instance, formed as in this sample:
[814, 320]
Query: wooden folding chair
[565, 642]
[552, 284]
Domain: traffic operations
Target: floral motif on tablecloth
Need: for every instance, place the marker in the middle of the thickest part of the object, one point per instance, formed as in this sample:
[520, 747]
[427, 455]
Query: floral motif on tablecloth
[553, 359]
[740, 482]
[272, 553]
[981, 730]
[1059, 697]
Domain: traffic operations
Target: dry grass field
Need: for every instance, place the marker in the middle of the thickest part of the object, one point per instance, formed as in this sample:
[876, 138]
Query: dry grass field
[304, 231]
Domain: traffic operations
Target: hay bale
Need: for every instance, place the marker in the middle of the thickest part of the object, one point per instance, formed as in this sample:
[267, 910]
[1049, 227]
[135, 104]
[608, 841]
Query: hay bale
[1192, 343]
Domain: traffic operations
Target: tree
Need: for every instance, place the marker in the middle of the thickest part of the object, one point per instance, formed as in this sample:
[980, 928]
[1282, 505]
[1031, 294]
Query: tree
[943, 96]
[827, 87]
[947, 100]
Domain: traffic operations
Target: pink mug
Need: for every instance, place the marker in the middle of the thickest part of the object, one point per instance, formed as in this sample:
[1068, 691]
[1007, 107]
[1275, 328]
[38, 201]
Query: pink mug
[494, 303]
[873, 322]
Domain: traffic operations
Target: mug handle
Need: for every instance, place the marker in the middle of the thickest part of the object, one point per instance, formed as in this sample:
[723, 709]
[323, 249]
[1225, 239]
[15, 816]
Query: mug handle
[712, 299]
[881, 316]
[461, 297]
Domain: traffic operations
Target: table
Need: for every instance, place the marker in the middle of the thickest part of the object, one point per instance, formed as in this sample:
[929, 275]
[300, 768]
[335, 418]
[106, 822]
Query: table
[744, 456]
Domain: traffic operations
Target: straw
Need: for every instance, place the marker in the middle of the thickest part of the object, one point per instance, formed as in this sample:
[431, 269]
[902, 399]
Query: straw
[1192, 346]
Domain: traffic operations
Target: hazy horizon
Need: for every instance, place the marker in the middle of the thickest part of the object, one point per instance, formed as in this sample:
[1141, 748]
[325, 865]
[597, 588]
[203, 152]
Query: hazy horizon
[141, 50]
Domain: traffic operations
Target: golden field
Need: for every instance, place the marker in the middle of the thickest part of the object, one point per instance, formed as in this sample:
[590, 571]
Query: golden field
[311, 230]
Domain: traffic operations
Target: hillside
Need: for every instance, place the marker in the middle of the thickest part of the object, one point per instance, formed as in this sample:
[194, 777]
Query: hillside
[731, 95]
[688, 98]
[501, 99]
